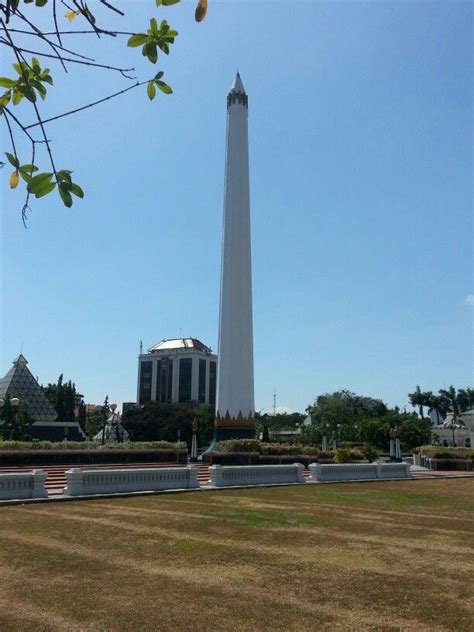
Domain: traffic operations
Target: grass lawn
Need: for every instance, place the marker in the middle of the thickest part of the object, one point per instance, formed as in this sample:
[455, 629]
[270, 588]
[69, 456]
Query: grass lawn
[372, 556]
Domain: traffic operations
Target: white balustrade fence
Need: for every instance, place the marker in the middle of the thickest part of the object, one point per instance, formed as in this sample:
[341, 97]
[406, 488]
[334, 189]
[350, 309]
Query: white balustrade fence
[357, 472]
[82, 482]
[19, 485]
[393, 470]
[226, 476]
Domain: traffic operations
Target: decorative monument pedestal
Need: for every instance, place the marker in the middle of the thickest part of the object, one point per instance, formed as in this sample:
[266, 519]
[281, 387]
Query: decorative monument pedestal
[228, 428]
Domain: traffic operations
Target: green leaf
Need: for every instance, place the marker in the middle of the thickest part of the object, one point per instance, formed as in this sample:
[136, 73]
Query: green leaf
[5, 82]
[137, 40]
[164, 47]
[27, 91]
[26, 172]
[26, 176]
[76, 189]
[12, 160]
[158, 2]
[153, 26]
[41, 3]
[41, 89]
[45, 189]
[151, 90]
[36, 66]
[164, 87]
[158, 75]
[5, 98]
[169, 3]
[149, 50]
[28, 168]
[66, 197]
[17, 97]
[37, 182]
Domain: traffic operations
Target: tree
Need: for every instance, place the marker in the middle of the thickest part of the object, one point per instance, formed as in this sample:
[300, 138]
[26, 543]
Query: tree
[63, 398]
[465, 398]
[157, 421]
[32, 49]
[16, 422]
[420, 399]
[413, 431]
[344, 408]
[451, 396]
[280, 421]
[95, 421]
[437, 404]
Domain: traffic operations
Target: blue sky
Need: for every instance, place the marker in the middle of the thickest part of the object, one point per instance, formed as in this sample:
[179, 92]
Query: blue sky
[361, 198]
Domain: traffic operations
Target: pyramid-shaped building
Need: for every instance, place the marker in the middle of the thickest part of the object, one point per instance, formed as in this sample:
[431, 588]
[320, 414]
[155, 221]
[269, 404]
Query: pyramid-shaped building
[19, 382]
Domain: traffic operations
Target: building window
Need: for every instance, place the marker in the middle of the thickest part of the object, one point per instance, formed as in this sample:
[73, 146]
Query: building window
[166, 380]
[202, 382]
[158, 381]
[212, 383]
[145, 382]
[185, 373]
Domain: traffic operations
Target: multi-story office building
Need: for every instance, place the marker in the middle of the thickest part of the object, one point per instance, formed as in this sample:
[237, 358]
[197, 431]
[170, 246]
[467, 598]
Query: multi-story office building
[179, 370]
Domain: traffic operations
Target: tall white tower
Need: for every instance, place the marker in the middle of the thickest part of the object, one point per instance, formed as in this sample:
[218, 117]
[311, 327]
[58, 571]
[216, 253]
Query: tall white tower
[235, 394]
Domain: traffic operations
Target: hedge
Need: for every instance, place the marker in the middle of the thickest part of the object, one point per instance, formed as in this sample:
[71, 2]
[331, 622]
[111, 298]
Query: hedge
[90, 445]
[435, 452]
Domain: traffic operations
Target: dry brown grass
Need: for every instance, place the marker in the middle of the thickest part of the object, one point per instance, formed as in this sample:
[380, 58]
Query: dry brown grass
[391, 556]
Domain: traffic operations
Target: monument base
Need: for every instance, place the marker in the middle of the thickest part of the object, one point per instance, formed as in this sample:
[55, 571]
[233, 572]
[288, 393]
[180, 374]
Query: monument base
[228, 427]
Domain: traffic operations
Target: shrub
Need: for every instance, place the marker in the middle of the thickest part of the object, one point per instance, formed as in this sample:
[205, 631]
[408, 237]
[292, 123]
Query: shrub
[239, 445]
[447, 453]
[329, 454]
[310, 450]
[369, 452]
[343, 455]
[89, 445]
[279, 449]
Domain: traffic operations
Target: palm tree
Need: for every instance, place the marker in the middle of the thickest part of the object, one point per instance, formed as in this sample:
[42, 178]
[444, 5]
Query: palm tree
[440, 405]
[419, 399]
[465, 398]
[451, 395]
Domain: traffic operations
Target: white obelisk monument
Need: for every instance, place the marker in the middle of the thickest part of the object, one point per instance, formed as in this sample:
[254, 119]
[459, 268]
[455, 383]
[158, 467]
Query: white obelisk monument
[235, 394]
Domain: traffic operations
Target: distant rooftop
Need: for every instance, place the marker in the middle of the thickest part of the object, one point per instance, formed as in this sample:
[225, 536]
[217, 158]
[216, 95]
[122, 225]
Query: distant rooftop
[179, 343]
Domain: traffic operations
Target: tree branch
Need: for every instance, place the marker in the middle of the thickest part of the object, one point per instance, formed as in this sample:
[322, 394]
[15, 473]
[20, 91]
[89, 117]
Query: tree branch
[11, 135]
[89, 105]
[56, 22]
[68, 59]
[53, 46]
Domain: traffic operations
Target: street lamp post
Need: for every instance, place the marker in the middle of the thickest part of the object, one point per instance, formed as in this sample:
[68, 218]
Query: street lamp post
[324, 431]
[194, 441]
[335, 437]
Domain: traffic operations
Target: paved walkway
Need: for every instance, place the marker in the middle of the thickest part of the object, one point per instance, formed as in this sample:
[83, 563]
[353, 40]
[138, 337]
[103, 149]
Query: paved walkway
[422, 472]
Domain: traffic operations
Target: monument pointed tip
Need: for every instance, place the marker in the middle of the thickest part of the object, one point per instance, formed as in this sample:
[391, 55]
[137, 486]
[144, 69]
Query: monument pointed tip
[237, 85]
